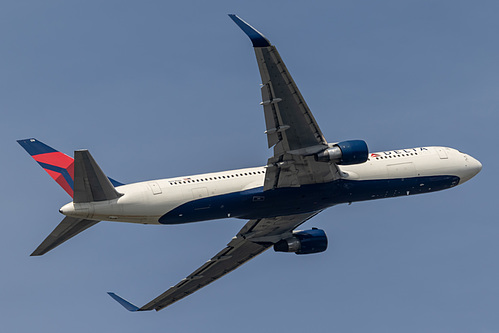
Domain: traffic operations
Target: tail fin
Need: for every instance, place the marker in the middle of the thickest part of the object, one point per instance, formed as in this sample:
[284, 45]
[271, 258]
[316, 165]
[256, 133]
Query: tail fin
[58, 165]
[81, 178]
[90, 185]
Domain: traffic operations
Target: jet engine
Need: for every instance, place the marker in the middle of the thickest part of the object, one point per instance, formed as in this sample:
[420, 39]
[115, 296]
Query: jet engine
[345, 153]
[303, 242]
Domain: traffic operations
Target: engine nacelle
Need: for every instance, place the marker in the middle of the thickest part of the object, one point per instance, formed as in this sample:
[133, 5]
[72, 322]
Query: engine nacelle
[345, 153]
[303, 242]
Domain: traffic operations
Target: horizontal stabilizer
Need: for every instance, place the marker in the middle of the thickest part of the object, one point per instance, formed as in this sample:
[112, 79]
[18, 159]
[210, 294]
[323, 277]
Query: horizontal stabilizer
[126, 304]
[90, 183]
[68, 228]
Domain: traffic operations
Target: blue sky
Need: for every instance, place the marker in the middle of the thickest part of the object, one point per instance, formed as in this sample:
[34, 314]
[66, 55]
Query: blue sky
[157, 89]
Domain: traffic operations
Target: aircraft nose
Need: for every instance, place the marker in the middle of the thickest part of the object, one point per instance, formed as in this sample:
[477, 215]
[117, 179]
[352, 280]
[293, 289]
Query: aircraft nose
[471, 168]
[476, 165]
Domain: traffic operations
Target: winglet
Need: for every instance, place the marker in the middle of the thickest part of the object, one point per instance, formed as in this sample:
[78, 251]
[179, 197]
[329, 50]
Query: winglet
[257, 38]
[126, 304]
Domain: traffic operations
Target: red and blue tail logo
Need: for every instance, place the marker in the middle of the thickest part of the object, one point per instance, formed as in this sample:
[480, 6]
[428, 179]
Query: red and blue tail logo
[58, 165]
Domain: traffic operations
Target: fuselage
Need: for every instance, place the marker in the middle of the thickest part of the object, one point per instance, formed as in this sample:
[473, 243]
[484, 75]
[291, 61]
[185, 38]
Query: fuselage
[239, 193]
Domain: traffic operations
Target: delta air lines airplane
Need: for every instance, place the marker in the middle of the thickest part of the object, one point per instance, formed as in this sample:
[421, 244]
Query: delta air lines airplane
[305, 175]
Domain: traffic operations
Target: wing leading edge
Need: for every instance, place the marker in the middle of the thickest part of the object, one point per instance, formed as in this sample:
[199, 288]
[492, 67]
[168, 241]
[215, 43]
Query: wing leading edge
[254, 238]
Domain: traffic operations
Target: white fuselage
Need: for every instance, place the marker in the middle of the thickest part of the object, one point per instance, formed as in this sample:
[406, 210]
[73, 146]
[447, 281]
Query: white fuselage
[147, 202]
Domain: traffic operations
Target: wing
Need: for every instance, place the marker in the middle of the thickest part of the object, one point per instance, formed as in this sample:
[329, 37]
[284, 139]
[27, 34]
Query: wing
[254, 238]
[291, 127]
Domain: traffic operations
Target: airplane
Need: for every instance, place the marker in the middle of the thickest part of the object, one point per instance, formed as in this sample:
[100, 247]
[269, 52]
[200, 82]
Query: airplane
[305, 175]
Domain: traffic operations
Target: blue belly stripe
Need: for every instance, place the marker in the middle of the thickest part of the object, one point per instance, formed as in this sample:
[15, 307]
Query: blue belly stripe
[256, 203]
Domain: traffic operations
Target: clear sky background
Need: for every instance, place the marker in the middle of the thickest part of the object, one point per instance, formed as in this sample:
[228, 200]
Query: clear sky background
[158, 89]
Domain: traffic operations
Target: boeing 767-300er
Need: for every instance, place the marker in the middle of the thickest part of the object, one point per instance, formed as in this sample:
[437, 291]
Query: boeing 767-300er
[305, 175]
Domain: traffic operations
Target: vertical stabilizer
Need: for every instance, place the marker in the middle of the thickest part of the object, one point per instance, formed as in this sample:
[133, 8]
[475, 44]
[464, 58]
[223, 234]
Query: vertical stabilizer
[80, 177]
[58, 165]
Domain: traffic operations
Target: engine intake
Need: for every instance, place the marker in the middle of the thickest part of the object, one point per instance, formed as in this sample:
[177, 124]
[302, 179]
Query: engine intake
[345, 153]
[303, 242]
